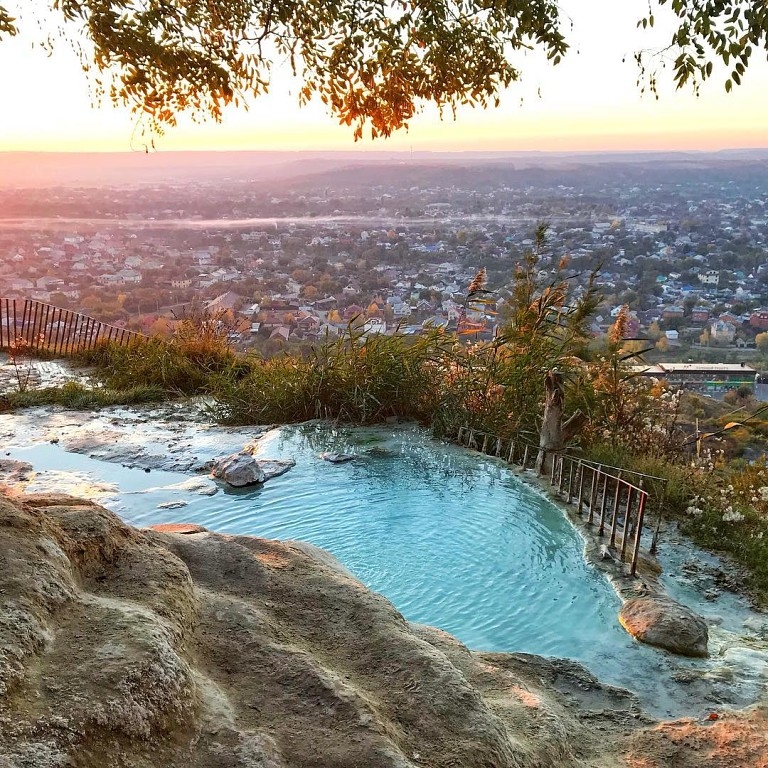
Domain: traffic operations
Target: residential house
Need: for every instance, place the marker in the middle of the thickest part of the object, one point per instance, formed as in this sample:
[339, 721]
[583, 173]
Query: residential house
[699, 315]
[672, 312]
[710, 277]
[759, 319]
[722, 332]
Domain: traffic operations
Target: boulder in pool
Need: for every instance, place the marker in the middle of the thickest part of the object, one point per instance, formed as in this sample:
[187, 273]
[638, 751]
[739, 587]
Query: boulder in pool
[337, 458]
[240, 469]
[665, 623]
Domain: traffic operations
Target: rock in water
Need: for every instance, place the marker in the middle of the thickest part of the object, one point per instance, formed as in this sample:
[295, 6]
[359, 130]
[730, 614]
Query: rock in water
[172, 505]
[241, 469]
[142, 649]
[238, 469]
[337, 458]
[275, 467]
[665, 623]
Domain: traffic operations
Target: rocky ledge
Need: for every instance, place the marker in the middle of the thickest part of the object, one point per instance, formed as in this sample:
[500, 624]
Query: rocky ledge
[181, 647]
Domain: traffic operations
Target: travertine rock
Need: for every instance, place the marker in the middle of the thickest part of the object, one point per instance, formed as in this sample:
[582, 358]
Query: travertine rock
[147, 649]
[665, 623]
[239, 469]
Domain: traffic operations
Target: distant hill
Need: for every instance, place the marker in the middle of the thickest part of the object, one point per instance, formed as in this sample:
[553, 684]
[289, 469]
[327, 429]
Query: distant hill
[31, 170]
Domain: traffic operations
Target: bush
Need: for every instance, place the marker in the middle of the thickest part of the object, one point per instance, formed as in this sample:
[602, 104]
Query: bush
[353, 379]
[178, 367]
[79, 397]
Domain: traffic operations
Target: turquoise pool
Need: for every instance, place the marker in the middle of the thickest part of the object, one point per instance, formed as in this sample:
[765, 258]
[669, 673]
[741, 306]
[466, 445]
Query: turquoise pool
[452, 538]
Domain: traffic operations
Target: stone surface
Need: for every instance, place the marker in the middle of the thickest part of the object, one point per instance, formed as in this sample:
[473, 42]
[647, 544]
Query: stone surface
[238, 469]
[243, 468]
[12, 471]
[149, 649]
[716, 740]
[275, 467]
[337, 458]
[662, 622]
[199, 485]
[183, 528]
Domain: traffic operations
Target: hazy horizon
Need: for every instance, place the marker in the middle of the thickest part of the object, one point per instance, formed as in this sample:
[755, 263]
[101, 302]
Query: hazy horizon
[51, 168]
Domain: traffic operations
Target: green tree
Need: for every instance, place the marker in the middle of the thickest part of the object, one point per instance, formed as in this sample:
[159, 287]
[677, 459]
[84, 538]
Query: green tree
[372, 62]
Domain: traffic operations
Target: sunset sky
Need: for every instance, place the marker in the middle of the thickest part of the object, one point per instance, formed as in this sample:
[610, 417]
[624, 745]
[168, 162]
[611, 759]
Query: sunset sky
[589, 102]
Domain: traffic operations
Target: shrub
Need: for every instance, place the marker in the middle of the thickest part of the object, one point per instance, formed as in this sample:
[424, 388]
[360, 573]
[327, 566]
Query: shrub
[77, 396]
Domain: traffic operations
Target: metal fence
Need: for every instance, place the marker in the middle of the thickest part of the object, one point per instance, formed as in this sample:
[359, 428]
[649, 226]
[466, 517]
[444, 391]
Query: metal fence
[610, 501]
[39, 327]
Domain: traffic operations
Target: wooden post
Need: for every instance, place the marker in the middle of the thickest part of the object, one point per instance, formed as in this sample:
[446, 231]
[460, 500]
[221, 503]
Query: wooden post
[525, 456]
[485, 443]
[46, 327]
[511, 454]
[554, 433]
[26, 321]
[8, 337]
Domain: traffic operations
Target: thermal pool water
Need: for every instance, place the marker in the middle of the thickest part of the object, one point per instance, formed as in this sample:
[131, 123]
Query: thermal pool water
[454, 539]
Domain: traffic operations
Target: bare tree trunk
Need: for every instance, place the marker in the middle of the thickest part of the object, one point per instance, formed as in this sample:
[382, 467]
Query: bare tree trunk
[554, 433]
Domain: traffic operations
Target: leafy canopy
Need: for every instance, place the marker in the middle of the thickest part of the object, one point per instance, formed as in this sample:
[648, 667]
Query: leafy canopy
[708, 31]
[373, 62]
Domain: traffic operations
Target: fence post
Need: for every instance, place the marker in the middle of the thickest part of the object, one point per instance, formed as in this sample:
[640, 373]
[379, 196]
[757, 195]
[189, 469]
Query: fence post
[46, 329]
[593, 494]
[8, 337]
[581, 487]
[485, 443]
[615, 518]
[601, 529]
[627, 515]
[638, 532]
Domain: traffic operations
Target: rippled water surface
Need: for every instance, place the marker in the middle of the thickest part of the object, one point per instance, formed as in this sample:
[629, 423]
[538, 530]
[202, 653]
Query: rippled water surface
[452, 538]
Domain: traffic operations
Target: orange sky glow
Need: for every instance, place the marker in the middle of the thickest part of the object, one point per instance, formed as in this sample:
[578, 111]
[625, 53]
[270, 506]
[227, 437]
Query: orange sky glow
[590, 102]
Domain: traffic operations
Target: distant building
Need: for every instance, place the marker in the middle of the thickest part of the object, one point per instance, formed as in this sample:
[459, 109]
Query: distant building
[759, 319]
[707, 377]
[699, 315]
[672, 312]
[720, 331]
[710, 277]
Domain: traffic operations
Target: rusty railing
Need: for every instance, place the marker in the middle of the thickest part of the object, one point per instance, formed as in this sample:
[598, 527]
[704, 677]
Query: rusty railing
[609, 500]
[43, 327]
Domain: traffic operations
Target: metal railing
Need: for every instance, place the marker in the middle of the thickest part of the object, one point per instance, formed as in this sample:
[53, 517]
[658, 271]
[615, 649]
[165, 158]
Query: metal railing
[42, 327]
[610, 501]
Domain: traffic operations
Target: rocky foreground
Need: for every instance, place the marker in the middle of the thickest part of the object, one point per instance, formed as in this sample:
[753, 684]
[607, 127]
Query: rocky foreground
[159, 649]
